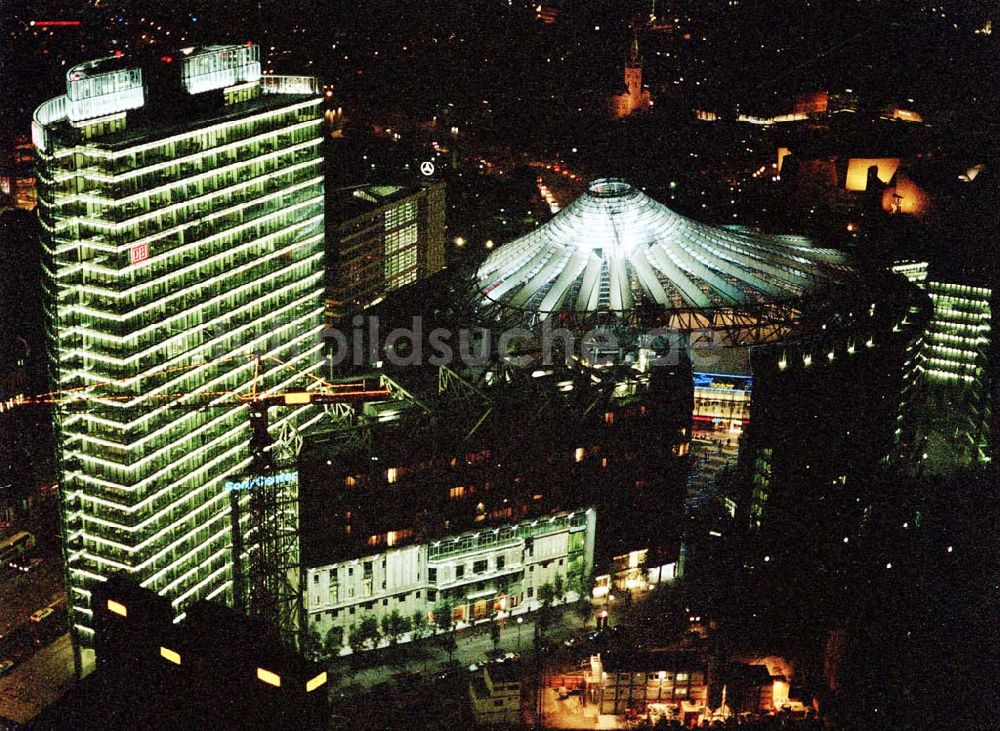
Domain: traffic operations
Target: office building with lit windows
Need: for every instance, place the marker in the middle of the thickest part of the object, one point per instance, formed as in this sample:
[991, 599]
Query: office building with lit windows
[947, 420]
[381, 238]
[480, 574]
[182, 207]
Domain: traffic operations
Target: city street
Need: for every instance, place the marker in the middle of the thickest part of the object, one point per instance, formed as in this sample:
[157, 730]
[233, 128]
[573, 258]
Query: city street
[37, 682]
[23, 593]
[472, 646]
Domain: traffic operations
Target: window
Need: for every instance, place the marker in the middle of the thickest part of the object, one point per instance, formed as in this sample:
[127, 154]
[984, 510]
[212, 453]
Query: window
[401, 257]
[418, 593]
[352, 610]
[432, 575]
[501, 562]
[682, 677]
[431, 595]
[479, 567]
[531, 591]
[385, 602]
[315, 579]
[459, 571]
[456, 492]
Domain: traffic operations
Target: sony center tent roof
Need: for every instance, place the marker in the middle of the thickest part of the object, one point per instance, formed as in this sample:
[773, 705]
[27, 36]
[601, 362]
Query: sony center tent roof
[615, 248]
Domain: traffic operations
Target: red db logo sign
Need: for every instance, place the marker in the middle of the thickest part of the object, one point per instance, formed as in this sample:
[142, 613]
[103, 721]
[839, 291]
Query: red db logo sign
[138, 253]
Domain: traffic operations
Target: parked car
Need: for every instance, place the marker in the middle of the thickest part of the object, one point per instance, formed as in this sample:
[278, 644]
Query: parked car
[449, 670]
[39, 614]
[5, 666]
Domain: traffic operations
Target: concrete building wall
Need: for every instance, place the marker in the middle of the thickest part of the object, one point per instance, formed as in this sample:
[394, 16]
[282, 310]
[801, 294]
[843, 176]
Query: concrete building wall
[477, 579]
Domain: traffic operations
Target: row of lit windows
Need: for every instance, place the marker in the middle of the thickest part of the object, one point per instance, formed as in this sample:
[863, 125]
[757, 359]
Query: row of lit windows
[146, 506]
[186, 328]
[401, 214]
[163, 421]
[232, 249]
[134, 158]
[167, 208]
[487, 538]
[144, 308]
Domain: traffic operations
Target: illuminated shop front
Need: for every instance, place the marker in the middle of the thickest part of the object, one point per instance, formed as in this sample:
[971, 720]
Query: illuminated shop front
[721, 402]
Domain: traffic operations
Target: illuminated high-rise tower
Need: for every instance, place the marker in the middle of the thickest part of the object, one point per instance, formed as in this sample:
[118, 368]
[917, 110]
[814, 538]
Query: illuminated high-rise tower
[181, 202]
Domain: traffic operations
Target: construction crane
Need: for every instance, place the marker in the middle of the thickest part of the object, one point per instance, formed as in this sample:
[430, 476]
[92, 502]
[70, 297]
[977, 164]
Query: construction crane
[263, 505]
[267, 584]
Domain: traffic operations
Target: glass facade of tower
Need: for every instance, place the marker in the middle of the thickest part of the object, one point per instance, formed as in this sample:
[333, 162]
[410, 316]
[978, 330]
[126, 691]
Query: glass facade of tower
[174, 251]
[947, 420]
[956, 361]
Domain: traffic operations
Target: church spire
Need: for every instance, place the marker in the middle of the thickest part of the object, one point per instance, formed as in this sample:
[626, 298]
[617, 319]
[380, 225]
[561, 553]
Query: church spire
[633, 56]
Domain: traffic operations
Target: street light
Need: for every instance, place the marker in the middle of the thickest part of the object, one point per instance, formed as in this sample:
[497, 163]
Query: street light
[520, 621]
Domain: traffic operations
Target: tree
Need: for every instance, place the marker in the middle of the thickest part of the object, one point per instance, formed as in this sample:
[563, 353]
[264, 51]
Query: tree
[559, 586]
[582, 582]
[537, 640]
[447, 641]
[442, 614]
[546, 594]
[365, 635]
[418, 624]
[312, 646]
[334, 640]
[395, 625]
[495, 633]
[355, 639]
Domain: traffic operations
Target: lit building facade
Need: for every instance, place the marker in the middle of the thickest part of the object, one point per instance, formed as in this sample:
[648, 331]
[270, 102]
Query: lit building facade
[182, 208]
[477, 574]
[381, 238]
[722, 401]
[633, 97]
[640, 681]
[17, 172]
[950, 405]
